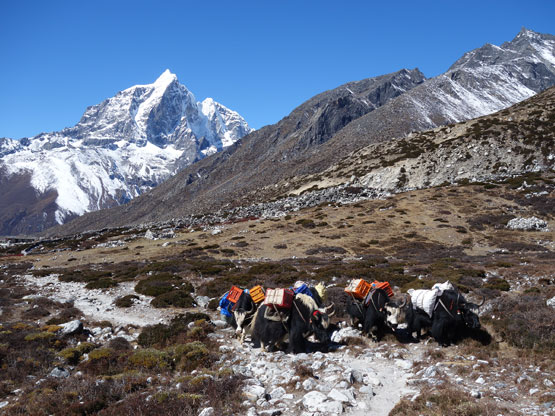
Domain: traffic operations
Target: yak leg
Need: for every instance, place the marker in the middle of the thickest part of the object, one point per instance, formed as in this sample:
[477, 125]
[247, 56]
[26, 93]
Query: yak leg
[297, 342]
[439, 333]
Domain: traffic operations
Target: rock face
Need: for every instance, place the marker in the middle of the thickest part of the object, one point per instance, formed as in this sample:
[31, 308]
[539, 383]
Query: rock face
[325, 129]
[120, 148]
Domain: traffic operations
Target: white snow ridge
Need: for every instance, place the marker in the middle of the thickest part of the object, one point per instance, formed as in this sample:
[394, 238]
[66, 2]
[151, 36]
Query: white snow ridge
[123, 146]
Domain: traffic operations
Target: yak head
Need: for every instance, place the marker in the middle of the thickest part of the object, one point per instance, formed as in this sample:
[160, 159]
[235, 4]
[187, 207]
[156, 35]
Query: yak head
[469, 317]
[396, 312]
[243, 309]
[318, 319]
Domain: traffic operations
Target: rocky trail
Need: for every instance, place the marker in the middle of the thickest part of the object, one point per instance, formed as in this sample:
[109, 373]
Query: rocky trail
[351, 380]
[358, 377]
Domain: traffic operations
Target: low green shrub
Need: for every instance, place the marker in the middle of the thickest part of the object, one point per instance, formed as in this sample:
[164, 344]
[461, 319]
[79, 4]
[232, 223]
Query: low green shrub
[175, 298]
[126, 301]
[151, 359]
[497, 283]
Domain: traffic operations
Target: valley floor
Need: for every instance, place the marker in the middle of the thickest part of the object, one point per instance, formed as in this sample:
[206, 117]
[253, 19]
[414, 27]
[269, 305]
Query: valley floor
[152, 359]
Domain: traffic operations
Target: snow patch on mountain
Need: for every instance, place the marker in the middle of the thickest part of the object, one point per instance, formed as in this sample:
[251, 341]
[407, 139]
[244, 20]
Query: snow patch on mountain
[123, 146]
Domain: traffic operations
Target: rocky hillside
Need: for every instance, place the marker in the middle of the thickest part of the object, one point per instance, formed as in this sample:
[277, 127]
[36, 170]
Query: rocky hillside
[120, 148]
[271, 152]
[511, 142]
[135, 309]
[319, 133]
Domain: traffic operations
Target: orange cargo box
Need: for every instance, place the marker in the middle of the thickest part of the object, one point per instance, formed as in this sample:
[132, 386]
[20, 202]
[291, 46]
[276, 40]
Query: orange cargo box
[358, 288]
[257, 294]
[383, 286]
[234, 294]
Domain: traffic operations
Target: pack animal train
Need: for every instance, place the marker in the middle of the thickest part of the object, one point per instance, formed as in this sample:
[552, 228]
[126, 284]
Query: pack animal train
[441, 311]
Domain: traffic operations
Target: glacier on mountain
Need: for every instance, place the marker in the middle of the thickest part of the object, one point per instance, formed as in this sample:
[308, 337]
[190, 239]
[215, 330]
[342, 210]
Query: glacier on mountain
[123, 146]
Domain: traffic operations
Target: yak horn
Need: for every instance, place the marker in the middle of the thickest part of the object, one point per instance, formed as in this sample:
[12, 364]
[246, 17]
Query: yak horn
[402, 305]
[331, 308]
[483, 300]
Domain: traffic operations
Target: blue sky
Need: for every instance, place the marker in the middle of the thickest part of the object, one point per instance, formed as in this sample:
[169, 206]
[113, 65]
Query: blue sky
[260, 58]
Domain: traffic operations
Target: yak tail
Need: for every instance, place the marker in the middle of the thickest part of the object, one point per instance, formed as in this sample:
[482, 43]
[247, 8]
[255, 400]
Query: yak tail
[321, 289]
[250, 326]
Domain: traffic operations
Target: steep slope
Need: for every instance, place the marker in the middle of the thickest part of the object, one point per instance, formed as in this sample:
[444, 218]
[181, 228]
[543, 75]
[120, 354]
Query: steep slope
[120, 148]
[318, 134]
[481, 82]
[263, 156]
[514, 141]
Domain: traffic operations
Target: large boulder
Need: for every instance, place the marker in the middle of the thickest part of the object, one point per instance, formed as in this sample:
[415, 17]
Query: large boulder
[72, 327]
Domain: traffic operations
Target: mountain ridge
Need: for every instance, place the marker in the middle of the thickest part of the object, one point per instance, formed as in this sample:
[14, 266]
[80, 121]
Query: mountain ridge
[245, 174]
[119, 149]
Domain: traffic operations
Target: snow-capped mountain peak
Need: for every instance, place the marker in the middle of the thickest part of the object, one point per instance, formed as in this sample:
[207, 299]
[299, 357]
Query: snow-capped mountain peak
[121, 147]
[166, 78]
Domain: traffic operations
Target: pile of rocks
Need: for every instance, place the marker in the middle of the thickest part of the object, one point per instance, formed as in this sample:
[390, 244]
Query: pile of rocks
[527, 224]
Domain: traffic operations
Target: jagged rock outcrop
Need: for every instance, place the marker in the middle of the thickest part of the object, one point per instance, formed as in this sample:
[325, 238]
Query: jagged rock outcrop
[120, 148]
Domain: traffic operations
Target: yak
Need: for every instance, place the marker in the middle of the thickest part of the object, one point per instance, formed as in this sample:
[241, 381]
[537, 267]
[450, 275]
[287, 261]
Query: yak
[304, 318]
[404, 315]
[374, 323]
[452, 315]
[370, 313]
[243, 312]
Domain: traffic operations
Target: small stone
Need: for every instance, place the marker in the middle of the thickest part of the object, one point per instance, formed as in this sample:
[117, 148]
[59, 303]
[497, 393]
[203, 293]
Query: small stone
[254, 393]
[404, 364]
[429, 372]
[548, 383]
[480, 380]
[312, 399]
[208, 411]
[270, 412]
[202, 301]
[367, 390]
[527, 224]
[533, 391]
[277, 393]
[476, 394]
[316, 365]
[309, 384]
[329, 408]
[4, 404]
[149, 235]
[353, 376]
[59, 372]
[337, 395]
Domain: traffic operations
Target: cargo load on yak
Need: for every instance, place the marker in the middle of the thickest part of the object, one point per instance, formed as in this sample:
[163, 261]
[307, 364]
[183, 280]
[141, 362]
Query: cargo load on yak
[234, 294]
[279, 298]
[425, 299]
[228, 301]
[358, 288]
[383, 286]
[302, 287]
[279, 303]
[225, 305]
[257, 294]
